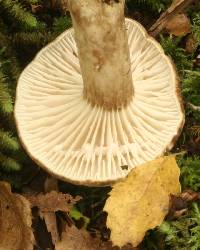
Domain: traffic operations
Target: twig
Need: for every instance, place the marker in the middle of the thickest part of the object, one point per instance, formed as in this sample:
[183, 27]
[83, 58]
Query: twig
[181, 153]
[176, 7]
[194, 107]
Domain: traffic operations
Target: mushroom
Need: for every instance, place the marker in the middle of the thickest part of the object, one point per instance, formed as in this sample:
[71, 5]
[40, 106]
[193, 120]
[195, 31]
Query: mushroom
[100, 99]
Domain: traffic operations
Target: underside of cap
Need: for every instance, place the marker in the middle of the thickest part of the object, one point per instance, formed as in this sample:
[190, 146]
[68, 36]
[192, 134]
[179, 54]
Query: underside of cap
[89, 145]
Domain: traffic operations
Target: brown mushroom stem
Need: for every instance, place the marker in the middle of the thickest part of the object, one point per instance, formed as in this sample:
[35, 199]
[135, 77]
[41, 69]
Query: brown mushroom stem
[104, 57]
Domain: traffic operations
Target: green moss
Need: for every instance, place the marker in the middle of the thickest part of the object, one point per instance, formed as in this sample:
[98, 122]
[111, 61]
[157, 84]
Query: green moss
[190, 172]
[183, 233]
[196, 27]
[15, 10]
[172, 47]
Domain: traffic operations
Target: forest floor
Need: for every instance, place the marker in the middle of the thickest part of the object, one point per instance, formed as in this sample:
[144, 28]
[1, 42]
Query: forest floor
[177, 28]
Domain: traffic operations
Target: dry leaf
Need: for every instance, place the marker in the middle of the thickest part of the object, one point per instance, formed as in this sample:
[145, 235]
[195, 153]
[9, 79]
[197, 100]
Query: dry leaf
[141, 201]
[190, 196]
[73, 239]
[53, 201]
[177, 206]
[36, 8]
[177, 203]
[177, 7]
[51, 184]
[15, 220]
[50, 203]
[51, 224]
[179, 25]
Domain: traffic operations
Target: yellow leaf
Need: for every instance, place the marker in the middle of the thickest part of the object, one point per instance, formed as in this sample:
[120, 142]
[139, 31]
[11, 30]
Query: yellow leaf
[141, 201]
[74, 239]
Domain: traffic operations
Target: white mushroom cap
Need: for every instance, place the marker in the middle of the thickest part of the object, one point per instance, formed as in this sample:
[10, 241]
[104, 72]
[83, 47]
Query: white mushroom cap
[89, 145]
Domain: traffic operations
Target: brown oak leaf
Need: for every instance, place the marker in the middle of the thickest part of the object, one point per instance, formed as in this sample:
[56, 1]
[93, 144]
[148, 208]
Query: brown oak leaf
[53, 201]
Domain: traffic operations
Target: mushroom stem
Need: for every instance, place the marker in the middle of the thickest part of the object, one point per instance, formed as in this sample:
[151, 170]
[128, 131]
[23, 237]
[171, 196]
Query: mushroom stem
[103, 51]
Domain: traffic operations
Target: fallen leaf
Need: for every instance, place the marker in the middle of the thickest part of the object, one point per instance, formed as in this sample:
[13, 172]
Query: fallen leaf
[36, 8]
[73, 239]
[190, 196]
[51, 184]
[53, 201]
[141, 201]
[178, 25]
[177, 7]
[177, 206]
[15, 220]
[177, 203]
[51, 224]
